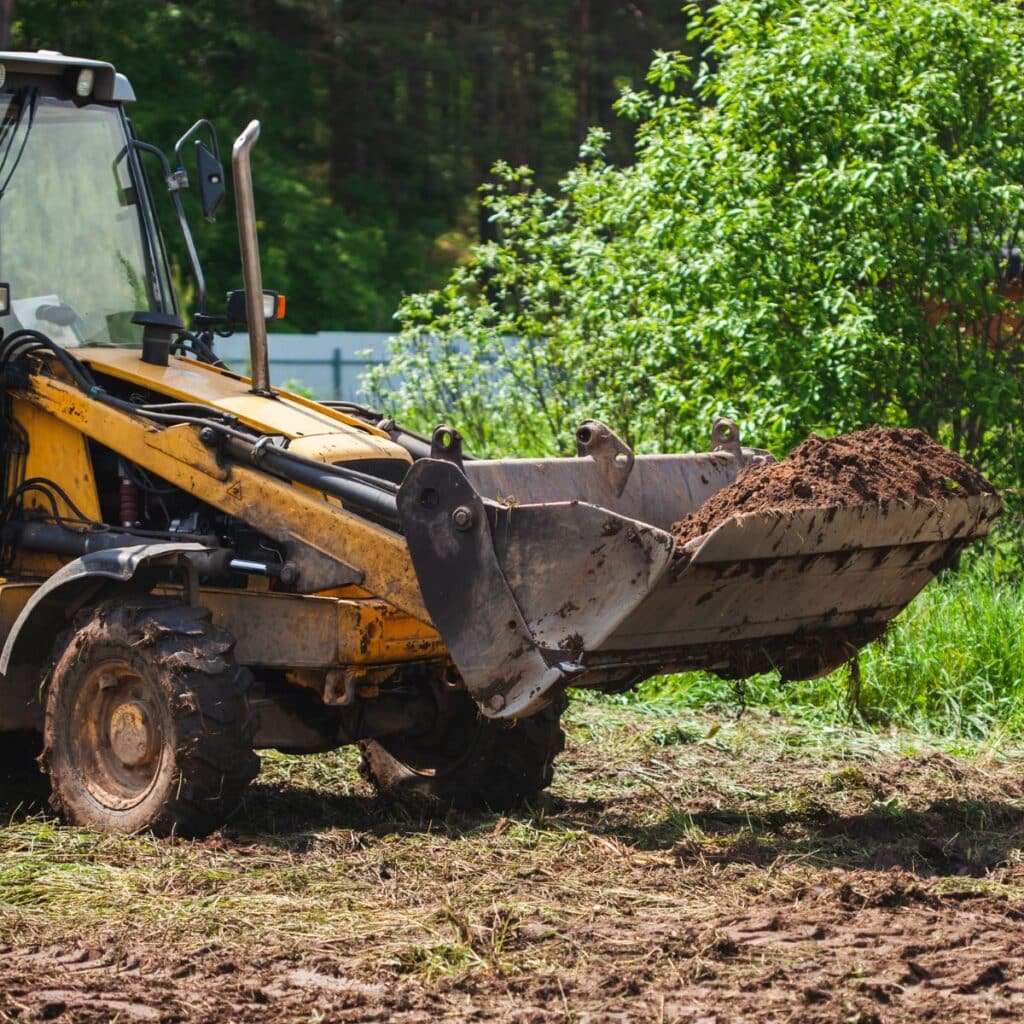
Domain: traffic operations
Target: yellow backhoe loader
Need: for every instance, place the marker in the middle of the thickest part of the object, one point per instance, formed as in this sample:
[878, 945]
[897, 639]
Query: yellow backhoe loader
[197, 564]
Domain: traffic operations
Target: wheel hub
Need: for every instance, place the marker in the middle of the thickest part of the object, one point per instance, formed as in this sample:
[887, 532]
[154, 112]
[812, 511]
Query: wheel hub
[133, 739]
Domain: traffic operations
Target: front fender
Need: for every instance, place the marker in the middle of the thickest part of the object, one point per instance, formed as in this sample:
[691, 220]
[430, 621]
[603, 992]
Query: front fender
[45, 613]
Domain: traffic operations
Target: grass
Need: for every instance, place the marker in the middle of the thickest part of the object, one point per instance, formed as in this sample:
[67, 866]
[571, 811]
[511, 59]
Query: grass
[952, 665]
[664, 827]
[677, 810]
[653, 811]
[313, 858]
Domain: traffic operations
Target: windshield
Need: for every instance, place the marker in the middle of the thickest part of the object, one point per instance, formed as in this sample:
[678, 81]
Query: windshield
[72, 240]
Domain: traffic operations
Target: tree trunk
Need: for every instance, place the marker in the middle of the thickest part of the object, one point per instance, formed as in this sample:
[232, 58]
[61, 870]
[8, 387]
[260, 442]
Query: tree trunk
[6, 17]
[583, 80]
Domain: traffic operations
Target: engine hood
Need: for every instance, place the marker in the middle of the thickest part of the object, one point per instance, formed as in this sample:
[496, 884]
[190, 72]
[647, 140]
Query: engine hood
[313, 430]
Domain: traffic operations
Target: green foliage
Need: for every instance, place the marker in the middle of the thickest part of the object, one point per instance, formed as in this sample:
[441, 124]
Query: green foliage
[812, 237]
[378, 119]
[952, 664]
[187, 61]
[295, 386]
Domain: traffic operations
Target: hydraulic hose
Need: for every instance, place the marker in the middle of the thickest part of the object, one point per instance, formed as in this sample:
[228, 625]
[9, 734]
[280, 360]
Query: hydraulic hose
[377, 498]
[374, 497]
[366, 493]
[25, 340]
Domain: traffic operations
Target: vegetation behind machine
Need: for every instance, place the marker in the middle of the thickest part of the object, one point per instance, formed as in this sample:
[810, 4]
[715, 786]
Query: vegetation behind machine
[820, 231]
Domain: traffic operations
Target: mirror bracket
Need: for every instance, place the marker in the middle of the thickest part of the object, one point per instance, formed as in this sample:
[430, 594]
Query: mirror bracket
[193, 256]
[177, 180]
[209, 169]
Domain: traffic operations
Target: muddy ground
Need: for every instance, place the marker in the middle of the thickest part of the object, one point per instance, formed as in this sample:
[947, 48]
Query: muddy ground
[683, 868]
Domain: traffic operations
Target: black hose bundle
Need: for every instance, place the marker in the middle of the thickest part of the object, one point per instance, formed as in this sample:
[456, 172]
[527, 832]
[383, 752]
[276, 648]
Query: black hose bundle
[375, 497]
[23, 341]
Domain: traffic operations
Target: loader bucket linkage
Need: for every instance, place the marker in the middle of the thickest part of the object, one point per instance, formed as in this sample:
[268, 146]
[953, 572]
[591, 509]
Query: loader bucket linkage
[544, 573]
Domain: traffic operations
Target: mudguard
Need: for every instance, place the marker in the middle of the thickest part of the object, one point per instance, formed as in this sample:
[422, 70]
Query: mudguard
[45, 613]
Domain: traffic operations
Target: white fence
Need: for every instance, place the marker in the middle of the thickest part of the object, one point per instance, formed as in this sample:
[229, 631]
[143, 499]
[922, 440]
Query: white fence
[330, 364]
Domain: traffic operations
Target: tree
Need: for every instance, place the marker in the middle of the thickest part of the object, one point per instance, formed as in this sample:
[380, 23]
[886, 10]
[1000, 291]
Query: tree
[822, 233]
[379, 118]
[232, 60]
[6, 18]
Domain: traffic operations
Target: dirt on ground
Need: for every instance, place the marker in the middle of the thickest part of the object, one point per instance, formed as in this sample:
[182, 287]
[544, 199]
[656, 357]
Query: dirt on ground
[689, 869]
[867, 467]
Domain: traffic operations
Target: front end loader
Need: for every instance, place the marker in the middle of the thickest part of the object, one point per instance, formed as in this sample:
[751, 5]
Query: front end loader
[197, 564]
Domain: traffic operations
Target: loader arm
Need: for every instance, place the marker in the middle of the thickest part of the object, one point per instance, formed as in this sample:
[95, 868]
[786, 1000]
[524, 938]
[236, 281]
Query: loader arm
[330, 545]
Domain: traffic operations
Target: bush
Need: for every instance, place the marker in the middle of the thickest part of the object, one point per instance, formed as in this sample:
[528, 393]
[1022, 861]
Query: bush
[819, 233]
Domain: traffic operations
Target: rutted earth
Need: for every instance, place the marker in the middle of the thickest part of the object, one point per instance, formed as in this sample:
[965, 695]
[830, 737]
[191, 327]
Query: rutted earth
[682, 869]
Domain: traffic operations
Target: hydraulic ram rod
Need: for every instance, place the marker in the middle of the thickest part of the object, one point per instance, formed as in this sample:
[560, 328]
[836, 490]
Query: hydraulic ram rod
[375, 498]
[58, 540]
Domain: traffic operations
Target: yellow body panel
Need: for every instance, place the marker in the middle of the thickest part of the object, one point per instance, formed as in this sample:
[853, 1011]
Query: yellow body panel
[314, 639]
[58, 452]
[187, 380]
[274, 507]
[19, 704]
[292, 631]
[13, 597]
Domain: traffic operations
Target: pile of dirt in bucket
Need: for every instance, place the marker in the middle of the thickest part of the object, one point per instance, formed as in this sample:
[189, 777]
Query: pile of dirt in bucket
[867, 467]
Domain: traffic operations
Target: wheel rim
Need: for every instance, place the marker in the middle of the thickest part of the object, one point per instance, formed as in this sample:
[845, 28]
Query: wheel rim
[118, 730]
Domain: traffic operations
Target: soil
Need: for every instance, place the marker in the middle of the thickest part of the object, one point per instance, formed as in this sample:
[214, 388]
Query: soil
[870, 950]
[867, 467]
[682, 870]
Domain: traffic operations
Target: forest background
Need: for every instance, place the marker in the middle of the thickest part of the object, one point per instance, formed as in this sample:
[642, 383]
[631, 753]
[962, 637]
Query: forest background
[381, 120]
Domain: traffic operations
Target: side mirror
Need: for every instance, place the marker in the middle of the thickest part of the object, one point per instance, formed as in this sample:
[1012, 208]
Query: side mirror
[274, 307]
[210, 173]
[209, 169]
[5, 300]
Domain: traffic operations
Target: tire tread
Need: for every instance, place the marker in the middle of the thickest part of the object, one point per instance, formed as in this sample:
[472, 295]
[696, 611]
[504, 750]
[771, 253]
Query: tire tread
[215, 727]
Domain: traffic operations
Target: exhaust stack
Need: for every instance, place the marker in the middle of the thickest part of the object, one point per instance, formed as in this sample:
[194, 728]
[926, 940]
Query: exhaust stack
[245, 207]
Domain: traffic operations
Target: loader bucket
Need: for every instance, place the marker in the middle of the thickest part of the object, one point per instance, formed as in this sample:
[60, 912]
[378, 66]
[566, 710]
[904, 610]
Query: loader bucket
[550, 573]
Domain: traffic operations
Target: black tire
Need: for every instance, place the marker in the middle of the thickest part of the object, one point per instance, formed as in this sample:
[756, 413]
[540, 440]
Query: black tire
[473, 763]
[147, 723]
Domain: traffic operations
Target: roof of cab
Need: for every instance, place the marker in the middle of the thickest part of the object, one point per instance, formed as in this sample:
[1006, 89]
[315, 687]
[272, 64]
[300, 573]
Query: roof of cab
[111, 86]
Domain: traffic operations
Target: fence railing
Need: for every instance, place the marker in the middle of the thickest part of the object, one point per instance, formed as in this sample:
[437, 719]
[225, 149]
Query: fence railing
[330, 364]
[343, 386]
